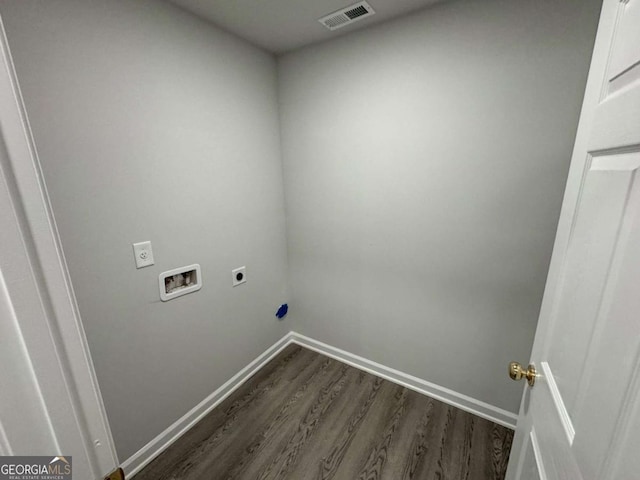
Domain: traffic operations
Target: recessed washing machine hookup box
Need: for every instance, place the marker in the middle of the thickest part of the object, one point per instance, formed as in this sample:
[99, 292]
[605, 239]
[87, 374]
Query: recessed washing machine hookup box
[179, 281]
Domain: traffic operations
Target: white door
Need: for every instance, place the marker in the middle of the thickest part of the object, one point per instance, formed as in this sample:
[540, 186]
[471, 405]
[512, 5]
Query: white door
[581, 419]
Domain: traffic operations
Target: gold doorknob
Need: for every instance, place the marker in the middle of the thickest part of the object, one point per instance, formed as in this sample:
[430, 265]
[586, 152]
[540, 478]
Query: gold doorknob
[516, 372]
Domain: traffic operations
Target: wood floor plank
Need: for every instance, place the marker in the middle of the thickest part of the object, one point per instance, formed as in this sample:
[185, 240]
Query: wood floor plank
[273, 434]
[430, 446]
[304, 416]
[340, 445]
[369, 433]
[289, 455]
[422, 441]
[375, 464]
[399, 452]
[223, 456]
[499, 440]
[272, 430]
[452, 458]
[330, 430]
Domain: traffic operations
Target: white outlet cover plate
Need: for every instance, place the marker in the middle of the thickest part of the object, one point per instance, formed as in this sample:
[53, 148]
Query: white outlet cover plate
[143, 254]
[234, 276]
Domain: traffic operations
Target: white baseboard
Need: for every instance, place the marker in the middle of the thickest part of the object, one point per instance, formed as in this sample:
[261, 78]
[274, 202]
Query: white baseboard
[463, 402]
[156, 446]
[160, 443]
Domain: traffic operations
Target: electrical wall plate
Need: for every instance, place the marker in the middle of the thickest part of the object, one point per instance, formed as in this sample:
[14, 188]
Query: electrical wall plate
[179, 281]
[143, 254]
[238, 276]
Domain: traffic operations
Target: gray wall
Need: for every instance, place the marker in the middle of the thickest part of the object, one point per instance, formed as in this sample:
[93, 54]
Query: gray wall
[152, 125]
[425, 161]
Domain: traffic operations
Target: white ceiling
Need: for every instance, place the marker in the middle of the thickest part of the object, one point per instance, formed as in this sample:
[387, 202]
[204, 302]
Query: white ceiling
[283, 25]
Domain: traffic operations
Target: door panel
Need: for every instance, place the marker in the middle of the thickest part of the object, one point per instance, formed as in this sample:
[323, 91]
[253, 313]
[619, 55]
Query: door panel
[625, 461]
[533, 468]
[600, 209]
[616, 122]
[610, 388]
[625, 60]
[555, 457]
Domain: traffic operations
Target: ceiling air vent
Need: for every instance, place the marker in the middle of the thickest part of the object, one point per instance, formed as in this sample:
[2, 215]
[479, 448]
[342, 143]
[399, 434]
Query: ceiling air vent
[347, 15]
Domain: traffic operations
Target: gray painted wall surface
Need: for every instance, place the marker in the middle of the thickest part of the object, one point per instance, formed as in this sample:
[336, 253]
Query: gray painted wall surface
[425, 161]
[152, 125]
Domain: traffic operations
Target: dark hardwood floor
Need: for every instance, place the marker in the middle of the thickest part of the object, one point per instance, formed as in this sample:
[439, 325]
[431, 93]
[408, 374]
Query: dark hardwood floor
[308, 417]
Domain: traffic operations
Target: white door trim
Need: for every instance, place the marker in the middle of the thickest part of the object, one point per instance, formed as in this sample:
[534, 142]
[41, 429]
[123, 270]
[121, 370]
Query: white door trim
[51, 284]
